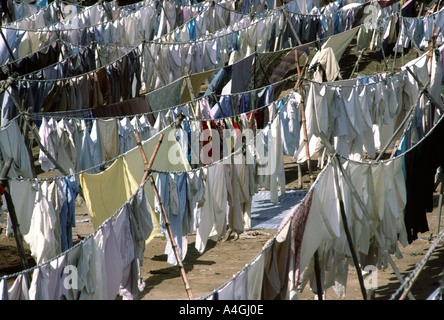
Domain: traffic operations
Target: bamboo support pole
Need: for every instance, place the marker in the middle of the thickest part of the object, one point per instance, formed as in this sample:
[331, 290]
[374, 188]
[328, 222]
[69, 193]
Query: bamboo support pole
[291, 26]
[357, 63]
[347, 233]
[7, 45]
[361, 204]
[146, 176]
[191, 91]
[425, 91]
[401, 126]
[303, 119]
[441, 176]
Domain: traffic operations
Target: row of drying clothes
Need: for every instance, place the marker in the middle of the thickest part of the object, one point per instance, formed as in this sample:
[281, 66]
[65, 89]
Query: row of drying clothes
[398, 27]
[94, 140]
[144, 23]
[116, 82]
[102, 266]
[383, 100]
[101, 87]
[123, 237]
[200, 56]
[285, 265]
[46, 233]
[16, 12]
[82, 60]
[420, 29]
[40, 59]
[92, 89]
[396, 193]
[96, 188]
[222, 190]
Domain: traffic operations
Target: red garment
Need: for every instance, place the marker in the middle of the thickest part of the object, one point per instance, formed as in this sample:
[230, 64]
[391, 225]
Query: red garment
[297, 228]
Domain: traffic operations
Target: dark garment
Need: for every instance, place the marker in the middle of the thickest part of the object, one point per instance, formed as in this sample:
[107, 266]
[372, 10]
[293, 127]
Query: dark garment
[129, 107]
[421, 164]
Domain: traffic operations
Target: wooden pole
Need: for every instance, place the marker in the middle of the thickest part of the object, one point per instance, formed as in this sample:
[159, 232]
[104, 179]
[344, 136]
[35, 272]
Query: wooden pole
[304, 122]
[357, 63]
[317, 268]
[291, 26]
[424, 90]
[12, 215]
[440, 200]
[43, 148]
[415, 45]
[347, 232]
[191, 91]
[7, 45]
[364, 209]
[147, 175]
[389, 142]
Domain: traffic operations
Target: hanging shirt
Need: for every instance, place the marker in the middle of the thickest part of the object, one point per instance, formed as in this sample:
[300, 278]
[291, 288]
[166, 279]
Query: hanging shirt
[48, 138]
[4, 289]
[271, 164]
[42, 236]
[212, 220]
[23, 194]
[173, 194]
[19, 290]
[125, 243]
[13, 146]
[90, 151]
[68, 210]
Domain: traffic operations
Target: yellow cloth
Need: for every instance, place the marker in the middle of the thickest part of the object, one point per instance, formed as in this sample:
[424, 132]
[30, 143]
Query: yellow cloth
[107, 191]
[169, 158]
[196, 81]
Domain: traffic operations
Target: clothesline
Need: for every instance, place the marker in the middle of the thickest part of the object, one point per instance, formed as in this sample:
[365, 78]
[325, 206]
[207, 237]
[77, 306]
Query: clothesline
[104, 163]
[94, 47]
[117, 212]
[80, 243]
[54, 27]
[418, 266]
[67, 78]
[225, 158]
[270, 242]
[293, 211]
[53, 115]
[247, 112]
[44, 9]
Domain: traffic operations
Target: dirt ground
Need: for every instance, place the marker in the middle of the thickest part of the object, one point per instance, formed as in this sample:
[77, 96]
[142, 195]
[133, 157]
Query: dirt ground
[221, 260]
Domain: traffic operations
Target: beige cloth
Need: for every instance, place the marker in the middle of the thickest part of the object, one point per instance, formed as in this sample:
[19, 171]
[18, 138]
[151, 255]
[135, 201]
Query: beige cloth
[329, 64]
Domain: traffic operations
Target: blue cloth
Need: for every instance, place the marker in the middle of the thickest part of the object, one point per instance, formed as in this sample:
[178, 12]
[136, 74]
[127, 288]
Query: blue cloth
[167, 184]
[244, 104]
[43, 3]
[68, 212]
[219, 80]
[225, 104]
[265, 214]
[337, 19]
[192, 29]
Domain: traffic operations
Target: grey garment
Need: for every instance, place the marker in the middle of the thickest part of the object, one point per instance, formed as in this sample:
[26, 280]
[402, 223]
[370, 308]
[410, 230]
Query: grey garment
[13, 38]
[108, 134]
[13, 146]
[141, 228]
